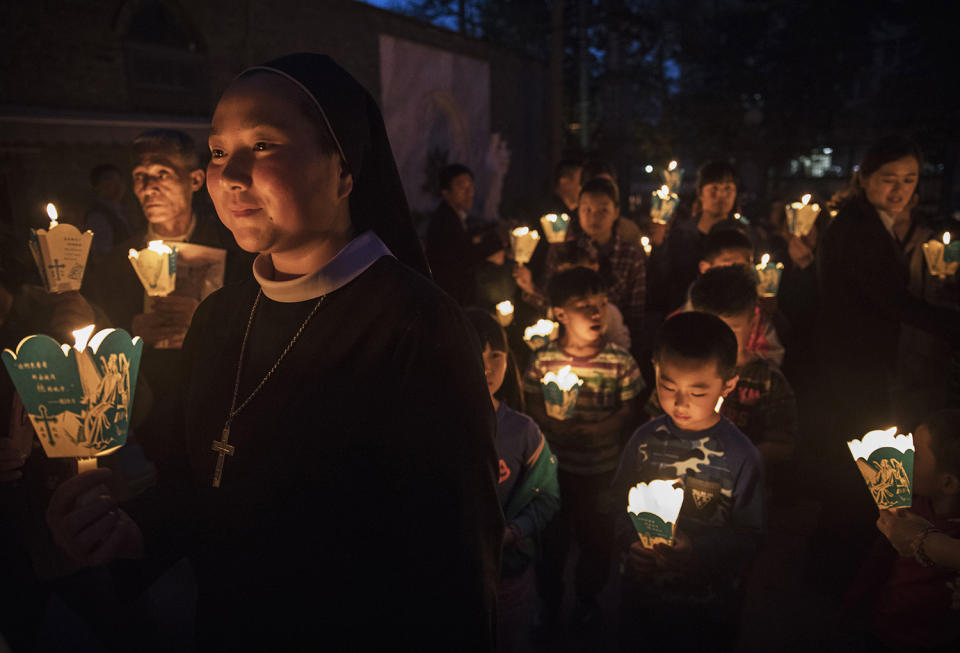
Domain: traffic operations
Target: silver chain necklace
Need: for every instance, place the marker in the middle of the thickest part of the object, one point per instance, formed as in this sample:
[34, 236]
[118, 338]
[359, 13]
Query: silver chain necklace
[222, 446]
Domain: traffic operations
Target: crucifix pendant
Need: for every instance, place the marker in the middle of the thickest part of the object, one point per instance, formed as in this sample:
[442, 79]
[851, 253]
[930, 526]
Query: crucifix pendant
[222, 449]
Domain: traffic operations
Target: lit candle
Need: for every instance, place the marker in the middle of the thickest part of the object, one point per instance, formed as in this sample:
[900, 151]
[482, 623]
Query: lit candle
[52, 214]
[156, 266]
[540, 334]
[654, 508]
[942, 256]
[673, 176]
[79, 397]
[560, 392]
[663, 204]
[768, 276]
[60, 253]
[801, 215]
[647, 246]
[555, 227]
[523, 240]
[885, 461]
[505, 312]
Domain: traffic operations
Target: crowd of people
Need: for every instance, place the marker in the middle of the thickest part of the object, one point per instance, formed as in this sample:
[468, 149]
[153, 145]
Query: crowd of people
[316, 438]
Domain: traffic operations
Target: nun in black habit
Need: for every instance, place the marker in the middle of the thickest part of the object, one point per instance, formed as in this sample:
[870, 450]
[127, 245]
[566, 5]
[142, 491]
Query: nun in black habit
[337, 483]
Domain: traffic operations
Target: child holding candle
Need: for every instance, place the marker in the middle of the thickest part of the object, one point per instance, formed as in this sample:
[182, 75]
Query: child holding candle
[912, 601]
[762, 404]
[527, 482]
[588, 444]
[721, 519]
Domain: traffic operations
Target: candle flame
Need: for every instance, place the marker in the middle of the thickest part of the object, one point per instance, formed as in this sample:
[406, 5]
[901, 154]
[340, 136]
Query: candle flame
[159, 247]
[505, 307]
[806, 199]
[541, 328]
[565, 379]
[659, 497]
[946, 237]
[664, 192]
[764, 260]
[81, 337]
[878, 439]
[520, 232]
[672, 166]
[52, 213]
[645, 243]
[550, 217]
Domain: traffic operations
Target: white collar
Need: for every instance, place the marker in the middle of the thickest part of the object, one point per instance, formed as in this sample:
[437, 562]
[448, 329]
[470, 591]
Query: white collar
[888, 222]
[349, 263]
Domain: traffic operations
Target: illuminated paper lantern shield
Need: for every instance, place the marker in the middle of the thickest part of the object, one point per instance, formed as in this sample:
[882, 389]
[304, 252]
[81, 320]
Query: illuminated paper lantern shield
[768, 277]
[653, 508]
[524, 241]
[560, 392]
[156, 266]
[78, 401]
[801, 216]
[885, 460]
[662, 205]
[61, 255]
[505, 313]
[555, 227]
[541, 334]
[943, 257]
[673, 176]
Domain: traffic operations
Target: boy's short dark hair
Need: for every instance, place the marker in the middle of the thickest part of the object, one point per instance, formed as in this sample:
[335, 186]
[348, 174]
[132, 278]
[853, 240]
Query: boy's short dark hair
[601, 186]
[170, 142]
[729, 290]
[725, 240]
[699, 337]
[574, 282]
[565, 168]
[450, 172]
[716, 172]
[944, 427]
[569, 254]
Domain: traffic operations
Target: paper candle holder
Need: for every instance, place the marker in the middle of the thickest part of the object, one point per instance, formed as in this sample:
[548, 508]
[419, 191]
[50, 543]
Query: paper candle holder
[801, 216]
[662, 205]
[60, 253]
[555, 227]
[541, 334]
[768, 277]
[560, 392]
[524, 241]
[79, 398]
[942, 256]
[673, 176]
[504, 312]
[653, 508]
[885, 460]
[156, 266]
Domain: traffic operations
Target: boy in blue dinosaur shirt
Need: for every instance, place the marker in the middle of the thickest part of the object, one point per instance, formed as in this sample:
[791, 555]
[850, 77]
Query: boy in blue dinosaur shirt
[686, 596]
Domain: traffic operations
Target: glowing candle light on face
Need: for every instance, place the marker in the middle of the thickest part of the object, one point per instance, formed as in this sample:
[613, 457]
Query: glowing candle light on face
[885, 461]
[505, 312]
[654, 508]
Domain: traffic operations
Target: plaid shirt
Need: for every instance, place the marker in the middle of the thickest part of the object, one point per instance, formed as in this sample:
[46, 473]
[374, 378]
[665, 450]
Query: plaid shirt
[623, 266]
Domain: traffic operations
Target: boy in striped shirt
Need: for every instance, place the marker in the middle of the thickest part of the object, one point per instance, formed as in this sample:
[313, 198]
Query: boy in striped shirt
[587, 445]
